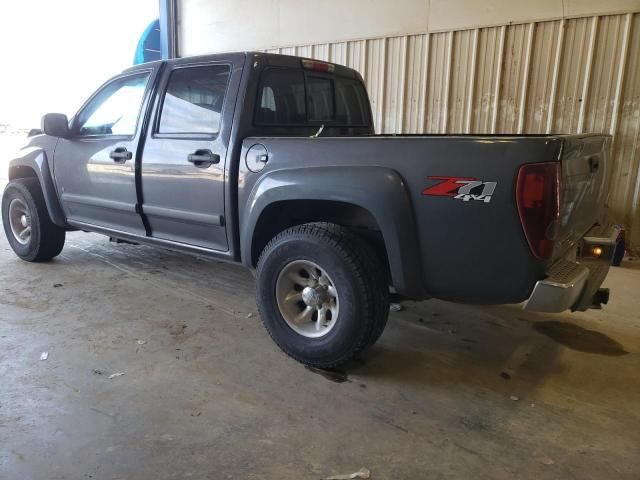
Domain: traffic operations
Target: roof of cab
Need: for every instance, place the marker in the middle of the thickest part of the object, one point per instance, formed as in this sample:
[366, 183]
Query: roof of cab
[271, 59]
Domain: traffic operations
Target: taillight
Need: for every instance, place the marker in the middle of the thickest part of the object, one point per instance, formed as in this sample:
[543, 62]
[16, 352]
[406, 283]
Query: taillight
[318, 66]
[538, 200]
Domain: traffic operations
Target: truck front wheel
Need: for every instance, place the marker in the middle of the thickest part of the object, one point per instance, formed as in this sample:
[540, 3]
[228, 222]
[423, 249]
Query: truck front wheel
[321, 293]
[30, 232]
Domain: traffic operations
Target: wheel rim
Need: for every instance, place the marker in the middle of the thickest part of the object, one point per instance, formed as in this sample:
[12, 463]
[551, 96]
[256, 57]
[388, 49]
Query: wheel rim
[307, 298]
[20, 221]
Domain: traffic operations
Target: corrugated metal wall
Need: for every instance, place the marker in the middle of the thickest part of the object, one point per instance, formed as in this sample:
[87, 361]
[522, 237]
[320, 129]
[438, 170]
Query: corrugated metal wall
[564, 76]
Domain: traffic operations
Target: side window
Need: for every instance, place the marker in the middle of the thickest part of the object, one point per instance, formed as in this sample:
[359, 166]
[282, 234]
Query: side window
[193, 100]
[115, 109]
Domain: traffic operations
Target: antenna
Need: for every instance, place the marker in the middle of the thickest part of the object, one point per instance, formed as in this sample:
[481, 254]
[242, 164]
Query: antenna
[319, 132]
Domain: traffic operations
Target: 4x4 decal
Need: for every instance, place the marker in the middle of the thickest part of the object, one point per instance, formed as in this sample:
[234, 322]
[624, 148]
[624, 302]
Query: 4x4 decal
[460, 188]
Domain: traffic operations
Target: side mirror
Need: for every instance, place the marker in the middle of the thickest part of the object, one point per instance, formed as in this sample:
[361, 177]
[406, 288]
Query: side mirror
[56, 125]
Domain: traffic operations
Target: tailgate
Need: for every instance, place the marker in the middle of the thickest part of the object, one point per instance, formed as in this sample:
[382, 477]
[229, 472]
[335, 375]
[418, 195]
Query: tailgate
[584, 187]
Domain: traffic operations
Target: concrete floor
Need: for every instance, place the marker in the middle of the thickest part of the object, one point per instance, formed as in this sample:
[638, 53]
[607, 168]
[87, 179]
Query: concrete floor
[450, 391]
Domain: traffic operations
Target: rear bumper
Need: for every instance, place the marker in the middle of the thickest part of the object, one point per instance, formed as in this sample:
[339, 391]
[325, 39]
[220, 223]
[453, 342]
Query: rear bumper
[575, 284]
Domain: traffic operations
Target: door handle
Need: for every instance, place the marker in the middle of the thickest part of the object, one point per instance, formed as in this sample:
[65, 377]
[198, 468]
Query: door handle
[121, 155]
[203, 158]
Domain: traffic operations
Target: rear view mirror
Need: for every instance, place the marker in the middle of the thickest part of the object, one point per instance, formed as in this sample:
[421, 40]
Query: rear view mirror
[55, 125]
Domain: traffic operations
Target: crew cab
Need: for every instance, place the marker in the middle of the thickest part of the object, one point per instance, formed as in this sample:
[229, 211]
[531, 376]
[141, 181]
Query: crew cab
[273, 162]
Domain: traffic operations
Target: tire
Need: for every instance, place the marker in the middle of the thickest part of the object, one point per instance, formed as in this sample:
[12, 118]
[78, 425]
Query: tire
[45, 239]
[347, 291]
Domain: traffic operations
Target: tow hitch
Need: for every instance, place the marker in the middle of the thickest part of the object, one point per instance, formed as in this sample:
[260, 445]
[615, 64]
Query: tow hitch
[599, 298]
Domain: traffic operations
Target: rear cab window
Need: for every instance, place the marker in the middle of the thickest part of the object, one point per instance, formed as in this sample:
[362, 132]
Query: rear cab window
[290, 97]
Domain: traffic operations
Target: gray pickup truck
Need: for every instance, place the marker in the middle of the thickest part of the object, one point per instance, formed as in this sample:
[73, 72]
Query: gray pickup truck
[272, 161]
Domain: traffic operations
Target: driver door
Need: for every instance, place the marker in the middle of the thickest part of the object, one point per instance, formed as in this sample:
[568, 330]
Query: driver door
[95, 168]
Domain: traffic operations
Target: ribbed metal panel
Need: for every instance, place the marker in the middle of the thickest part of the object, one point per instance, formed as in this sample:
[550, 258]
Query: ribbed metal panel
[338, 53]
[288, 51]
[395, 85]
[463, 69]
[416, 85]
[438, 75]
[515, 69]
[357, 56]
[489, 70]
[600, 97]
[305, 51]
[375, 75]
[544, 63]
[321, 52]
[561, 76]
[572, 75]
[626, 118]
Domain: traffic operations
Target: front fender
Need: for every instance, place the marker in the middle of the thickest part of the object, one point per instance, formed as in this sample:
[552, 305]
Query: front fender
[379, 190]
[35, 159]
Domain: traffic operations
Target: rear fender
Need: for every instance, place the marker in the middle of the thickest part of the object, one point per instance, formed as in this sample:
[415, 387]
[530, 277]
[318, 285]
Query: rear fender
[33, 162]
[380, 191]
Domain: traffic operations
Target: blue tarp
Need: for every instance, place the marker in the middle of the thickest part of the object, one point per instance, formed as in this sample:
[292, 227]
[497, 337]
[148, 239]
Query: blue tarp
[148, 48]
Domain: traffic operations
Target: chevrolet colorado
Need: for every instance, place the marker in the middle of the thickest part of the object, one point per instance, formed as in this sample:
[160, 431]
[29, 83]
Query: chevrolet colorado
[272, 161]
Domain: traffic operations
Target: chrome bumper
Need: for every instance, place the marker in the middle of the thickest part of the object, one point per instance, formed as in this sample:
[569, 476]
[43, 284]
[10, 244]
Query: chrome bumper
[574, 284]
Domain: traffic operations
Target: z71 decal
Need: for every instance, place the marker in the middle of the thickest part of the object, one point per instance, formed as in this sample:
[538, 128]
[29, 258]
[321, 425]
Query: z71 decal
[465, 189]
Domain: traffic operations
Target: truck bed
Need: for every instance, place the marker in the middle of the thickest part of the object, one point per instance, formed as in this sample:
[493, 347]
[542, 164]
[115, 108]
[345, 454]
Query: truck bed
[471, 245]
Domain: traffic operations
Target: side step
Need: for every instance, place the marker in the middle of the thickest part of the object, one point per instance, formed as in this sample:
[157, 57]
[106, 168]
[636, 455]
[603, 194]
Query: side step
[119, 240]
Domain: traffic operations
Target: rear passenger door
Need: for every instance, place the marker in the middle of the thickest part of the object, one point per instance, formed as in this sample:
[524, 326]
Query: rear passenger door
[183, 165]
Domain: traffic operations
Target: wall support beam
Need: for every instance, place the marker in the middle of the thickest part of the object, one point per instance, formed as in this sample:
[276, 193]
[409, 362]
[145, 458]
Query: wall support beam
[622, 63]
[471, 87]
[555, 78]
[525, 80]
[447, 84]
[498, 84]
[168, 29]
[587, 77]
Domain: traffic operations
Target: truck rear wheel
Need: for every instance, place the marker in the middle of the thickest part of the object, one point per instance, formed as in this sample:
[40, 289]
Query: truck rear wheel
[30, 232]
[322, 294]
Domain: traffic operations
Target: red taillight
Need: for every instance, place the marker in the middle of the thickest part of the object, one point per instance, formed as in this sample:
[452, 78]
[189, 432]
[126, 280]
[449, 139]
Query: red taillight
[538, 200]
[317, 66]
